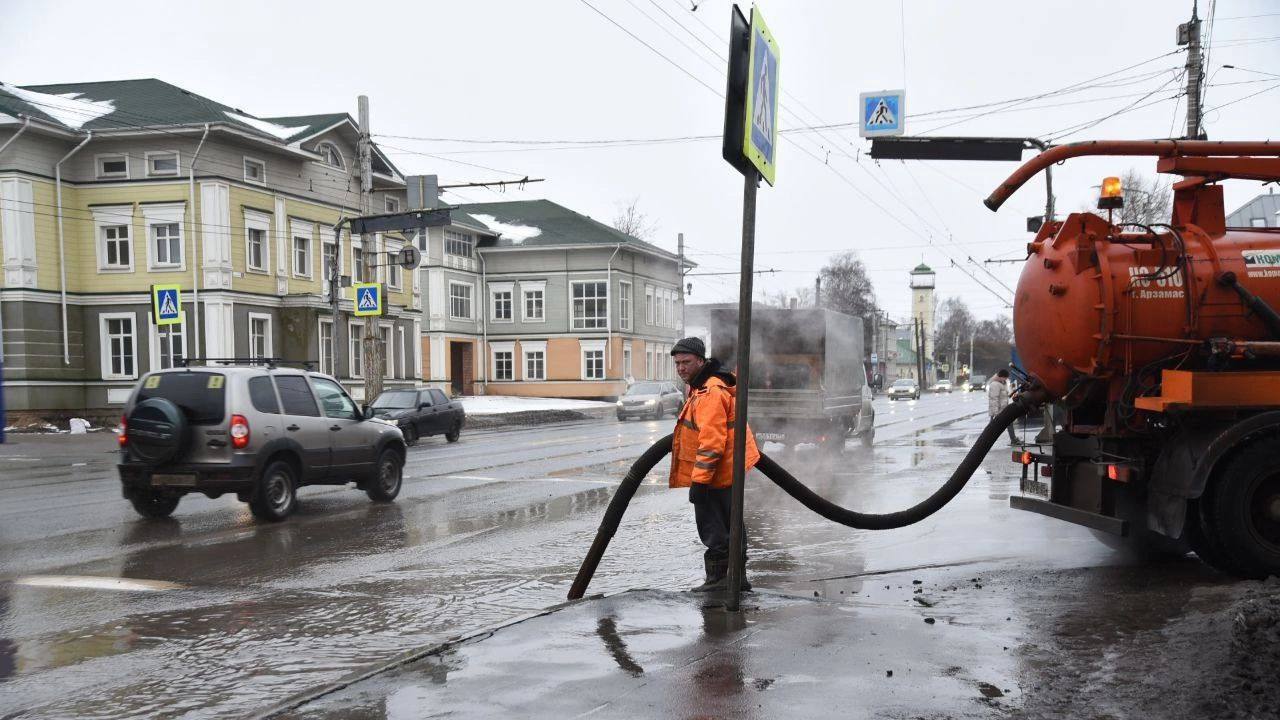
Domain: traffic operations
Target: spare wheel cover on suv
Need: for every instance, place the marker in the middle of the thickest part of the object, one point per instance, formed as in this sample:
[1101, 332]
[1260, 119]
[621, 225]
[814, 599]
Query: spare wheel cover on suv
[157, 431]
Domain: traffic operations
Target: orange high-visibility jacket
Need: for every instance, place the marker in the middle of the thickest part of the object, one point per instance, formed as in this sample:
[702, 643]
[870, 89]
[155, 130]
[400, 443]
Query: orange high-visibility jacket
[702, 449]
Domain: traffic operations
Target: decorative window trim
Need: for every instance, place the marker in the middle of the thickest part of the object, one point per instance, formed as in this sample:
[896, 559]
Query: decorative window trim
[112, 216]
[104, 345]
[154, 358]
[269, 341]
[586, 346]
[394, 271]
[177, 163]
[607, 302]
[260, 163]
[468, 238]
[342, 159]
[502, 287]
[527, 286]
[532, 346]
[501, 347]
[254, 220]
[627, 297]
[307, 231]
[102, 157]
[357, 243]
[354, 369]
[391, 204]
[168, 214]
[333, 338]
[449, 300]
[388, 348]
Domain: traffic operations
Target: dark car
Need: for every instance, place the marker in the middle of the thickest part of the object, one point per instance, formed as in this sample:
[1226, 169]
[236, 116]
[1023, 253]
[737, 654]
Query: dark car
[258, 431]
[421, 412]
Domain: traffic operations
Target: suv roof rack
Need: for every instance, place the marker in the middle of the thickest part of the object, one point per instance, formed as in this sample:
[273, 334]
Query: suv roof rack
[270, 363]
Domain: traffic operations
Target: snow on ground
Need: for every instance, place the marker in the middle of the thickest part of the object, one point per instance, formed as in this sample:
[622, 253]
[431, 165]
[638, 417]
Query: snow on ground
[496, 404]
[67, 109]
[515, 233]
[277, 131]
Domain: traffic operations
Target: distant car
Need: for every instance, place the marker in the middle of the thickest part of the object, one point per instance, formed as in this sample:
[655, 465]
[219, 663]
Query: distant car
[255, 430]
[977, 383]
[904, 388]
[420, 413]
[650, 399]
[943, 386]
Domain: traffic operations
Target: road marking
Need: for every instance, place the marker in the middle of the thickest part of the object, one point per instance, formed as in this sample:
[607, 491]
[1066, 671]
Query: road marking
[88, 582]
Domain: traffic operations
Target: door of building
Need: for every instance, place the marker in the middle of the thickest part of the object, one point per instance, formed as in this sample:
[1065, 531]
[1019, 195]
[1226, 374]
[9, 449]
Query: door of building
[461, 369]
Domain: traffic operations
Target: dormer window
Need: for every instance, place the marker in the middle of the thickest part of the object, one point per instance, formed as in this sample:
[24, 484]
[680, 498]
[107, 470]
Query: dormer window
[113, 166]
[255, 171]
[330, 155]
[162, 163]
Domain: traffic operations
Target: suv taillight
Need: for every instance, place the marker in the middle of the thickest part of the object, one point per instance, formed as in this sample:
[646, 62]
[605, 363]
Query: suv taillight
[123, 437]
[239, 432]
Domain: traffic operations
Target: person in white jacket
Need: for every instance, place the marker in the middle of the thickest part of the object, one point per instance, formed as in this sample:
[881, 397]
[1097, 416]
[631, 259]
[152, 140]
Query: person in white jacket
[998, 398]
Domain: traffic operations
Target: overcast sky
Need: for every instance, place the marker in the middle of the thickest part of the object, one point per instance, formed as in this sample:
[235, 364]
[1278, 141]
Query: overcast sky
[560, 70]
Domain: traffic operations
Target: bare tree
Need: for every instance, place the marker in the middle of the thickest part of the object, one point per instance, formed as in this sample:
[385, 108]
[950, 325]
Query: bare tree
[846, 288]
[630, 221]
[782, 298]
[955, 324]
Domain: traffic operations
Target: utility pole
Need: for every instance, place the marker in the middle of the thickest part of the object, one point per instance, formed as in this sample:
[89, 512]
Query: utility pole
[680, 252]
[1189, 35]
[373, 361]
[971, 354]
[817, 292]
[955, 359]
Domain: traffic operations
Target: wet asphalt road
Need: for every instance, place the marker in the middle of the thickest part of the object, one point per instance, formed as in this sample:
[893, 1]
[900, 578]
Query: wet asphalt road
[233, 616]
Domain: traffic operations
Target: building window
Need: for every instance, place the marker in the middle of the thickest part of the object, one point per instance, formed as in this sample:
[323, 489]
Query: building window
[301, 256]
[648, 304]
[590, 306]
[355, 331]
[624, 306]
[160, 164]
[593, 364]
[393, 267]
[392, 204]
[116, 252]
[535, 364]
[501, 302]
[112, 166]
[330, 155]
[326, 347]
[1257, 222]
[357, 264]
[119, 346]
[256, 248]
[534, 304]
[171, 345]
[648, 363]
[259, 335]
[459, 301]
[166, 243]
[255, 171]
[388, 351]
[456, 243]
[329, 259]
[626, 360]
[503, 365]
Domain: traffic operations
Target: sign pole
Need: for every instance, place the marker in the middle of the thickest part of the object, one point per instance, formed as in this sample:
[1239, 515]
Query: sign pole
[737, 536]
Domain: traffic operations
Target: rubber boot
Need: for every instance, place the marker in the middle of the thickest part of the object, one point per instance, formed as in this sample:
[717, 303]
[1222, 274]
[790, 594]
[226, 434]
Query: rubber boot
[717, 575]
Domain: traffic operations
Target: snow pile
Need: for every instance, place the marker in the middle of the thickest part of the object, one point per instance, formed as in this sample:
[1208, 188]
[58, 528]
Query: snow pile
[67, 108]
[277, 131]
[507, 231]
[499, 404]
[79, 426]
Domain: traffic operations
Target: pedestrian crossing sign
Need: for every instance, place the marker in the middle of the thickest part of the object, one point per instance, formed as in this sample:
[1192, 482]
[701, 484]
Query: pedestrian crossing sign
[368, 299]
[166, 304]
[882, 113]
[760, 139]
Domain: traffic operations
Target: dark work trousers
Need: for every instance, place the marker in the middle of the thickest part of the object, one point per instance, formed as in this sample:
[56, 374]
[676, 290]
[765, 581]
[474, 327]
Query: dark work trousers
[711, 510]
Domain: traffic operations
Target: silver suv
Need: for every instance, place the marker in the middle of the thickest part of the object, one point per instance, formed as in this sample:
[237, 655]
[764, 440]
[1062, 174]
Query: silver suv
[259, 431]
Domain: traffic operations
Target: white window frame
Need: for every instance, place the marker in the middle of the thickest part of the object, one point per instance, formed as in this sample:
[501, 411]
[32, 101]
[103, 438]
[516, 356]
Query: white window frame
[527, 348]
[293, 256]
[324, 263]
[260, 163]
[471, 304]
[254, 220]
[404, 371]
[387, 336]
[625, 294]
[177, 163]
[104, 345]
[114, 216]
[268, 341]
[391, 204]
[342, 160]
[602, 319]
[326, 367]
[648, 305]
[592, 346]
[155, 355]
[167, 214]
[460, 236]
[356, 369]
[100, 174]
[510, 290]
[648, 361]
[507, 348]
[395, 274]
[626, 359]
[527, 287]
[357, 243]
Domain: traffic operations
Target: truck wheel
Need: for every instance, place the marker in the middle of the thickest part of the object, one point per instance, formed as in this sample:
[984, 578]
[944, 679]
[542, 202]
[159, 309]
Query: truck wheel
[275, 495]
[151, 504]
[869, 437]
[1204, 540]
[1244, 509]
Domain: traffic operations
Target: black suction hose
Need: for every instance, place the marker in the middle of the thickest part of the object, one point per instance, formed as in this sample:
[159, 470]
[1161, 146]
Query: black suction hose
[808, 498]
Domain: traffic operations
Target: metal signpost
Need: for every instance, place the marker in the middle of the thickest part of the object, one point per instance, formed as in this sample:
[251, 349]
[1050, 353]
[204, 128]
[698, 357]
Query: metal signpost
[750, 146]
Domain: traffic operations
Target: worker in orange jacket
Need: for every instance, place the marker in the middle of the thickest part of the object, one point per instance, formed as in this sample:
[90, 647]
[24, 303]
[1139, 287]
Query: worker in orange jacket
[702, 453]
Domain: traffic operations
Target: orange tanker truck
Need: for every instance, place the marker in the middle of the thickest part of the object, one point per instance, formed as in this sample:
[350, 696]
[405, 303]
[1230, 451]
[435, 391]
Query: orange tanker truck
[1162, 342]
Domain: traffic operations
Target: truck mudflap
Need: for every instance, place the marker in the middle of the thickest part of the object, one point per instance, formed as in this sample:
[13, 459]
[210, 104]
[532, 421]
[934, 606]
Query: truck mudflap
[1114, 526]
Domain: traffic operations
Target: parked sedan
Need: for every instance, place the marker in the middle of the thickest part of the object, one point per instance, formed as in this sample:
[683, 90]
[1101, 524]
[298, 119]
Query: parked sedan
[419, 413]
[904, 388]
[650, 399]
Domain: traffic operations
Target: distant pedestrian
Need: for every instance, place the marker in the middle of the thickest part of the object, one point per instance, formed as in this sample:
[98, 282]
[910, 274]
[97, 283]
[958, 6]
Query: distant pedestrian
[702, 453]
[998, 398]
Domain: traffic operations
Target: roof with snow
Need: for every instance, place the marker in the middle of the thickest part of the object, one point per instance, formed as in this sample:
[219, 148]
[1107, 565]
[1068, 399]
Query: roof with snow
[542, 223]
